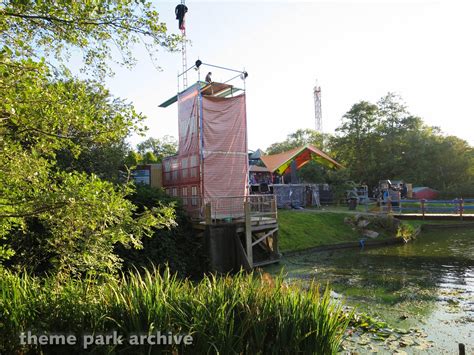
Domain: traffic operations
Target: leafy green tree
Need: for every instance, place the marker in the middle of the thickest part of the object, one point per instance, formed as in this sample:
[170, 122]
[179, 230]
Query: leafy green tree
[83, 216]
[133, 159]
[98, 28]
[160, 147]
[385, 141]
[179, 247]
[356, 140]
[298, 139]
[54, 131]
[392, 113]
[106, 160]
[150, 158]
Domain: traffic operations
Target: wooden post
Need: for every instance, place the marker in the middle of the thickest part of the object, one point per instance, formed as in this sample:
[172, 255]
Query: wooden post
[389, 203]
[208, 213]
[461, 207]
[423, 208]
[399, 202]
[275, 243]
[248, 233]
[273, 207]
[275, 235]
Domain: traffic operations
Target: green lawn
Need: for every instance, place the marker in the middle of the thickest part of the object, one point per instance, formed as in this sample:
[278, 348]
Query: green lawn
[306, 229]
[311, 228]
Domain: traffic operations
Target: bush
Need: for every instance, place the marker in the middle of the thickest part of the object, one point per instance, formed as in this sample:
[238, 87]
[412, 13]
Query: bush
[179, 246]
[407, 232]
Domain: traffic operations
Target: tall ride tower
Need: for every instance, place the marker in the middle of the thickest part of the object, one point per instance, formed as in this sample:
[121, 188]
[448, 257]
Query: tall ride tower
[317, 108]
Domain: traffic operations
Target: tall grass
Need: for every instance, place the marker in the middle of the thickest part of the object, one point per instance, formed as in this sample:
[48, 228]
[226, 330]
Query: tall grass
[242, 314]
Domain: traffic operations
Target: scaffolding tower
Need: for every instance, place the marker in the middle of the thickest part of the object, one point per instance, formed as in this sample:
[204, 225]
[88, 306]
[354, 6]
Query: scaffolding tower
[317, 108]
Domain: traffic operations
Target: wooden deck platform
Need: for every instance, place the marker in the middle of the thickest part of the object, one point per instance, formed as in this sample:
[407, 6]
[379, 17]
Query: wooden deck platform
[256, 231]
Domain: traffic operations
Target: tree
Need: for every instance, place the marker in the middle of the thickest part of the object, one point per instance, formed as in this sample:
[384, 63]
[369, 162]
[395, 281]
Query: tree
[133, 159]
[98, 28]
[54, 208]
[354, 147]
[298, 139]
[160, 147]
[81, 216]
[385, 141]
[106, 160]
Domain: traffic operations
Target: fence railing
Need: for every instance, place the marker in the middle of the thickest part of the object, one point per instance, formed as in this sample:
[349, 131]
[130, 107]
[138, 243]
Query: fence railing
[228, 209]
[458, 206]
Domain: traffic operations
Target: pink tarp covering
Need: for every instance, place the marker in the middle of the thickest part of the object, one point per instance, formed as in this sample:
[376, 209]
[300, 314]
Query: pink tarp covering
[188, 122]
[212, 162]
[225, 170]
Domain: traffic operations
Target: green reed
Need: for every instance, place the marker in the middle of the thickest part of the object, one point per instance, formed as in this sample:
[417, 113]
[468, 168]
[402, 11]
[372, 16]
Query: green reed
[239, 314]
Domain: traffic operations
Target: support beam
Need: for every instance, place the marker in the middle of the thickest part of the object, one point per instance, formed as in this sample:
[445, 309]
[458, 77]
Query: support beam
[248, 233]
[275, 243]
[208, 213]
[265, 236]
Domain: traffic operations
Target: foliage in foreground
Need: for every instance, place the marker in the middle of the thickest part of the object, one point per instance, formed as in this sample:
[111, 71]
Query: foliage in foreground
[180, 247]
[63, 209]
[52, 216]
[240, 314]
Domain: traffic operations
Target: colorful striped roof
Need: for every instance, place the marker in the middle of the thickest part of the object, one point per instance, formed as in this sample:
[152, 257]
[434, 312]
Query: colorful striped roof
[281, 163]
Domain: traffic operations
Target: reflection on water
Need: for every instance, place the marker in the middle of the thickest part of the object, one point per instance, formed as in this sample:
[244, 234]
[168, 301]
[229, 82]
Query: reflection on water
[428, 284]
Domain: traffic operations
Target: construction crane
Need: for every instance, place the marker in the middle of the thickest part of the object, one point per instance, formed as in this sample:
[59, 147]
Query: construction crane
[317, 108]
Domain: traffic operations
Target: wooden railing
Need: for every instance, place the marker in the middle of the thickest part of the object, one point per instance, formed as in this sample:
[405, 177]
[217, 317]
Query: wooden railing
[237, 208]
[458, 206]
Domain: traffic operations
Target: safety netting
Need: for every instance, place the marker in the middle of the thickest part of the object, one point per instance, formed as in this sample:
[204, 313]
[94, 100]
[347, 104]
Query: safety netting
[212, 162]
[225, 170]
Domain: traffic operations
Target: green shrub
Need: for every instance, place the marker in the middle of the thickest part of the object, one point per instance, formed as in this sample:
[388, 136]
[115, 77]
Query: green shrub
[406, 231]
[179, 246]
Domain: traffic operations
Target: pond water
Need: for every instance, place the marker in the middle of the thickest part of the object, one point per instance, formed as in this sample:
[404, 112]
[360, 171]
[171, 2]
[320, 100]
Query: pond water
[427, 284]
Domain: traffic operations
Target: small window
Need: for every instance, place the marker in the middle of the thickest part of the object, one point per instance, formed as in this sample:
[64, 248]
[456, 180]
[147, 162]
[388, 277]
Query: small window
[194, 200]
[174, 164]
[184, 195]
[175, 191]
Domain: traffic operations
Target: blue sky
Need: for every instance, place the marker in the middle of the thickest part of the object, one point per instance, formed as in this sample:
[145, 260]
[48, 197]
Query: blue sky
[422, 50]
